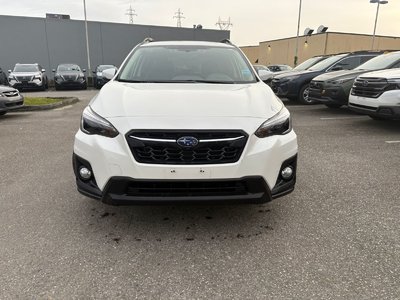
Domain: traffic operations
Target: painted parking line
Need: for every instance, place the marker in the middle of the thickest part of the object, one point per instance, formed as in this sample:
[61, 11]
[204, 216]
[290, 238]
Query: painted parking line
[392, 142]
[343, 118]
[64, 107]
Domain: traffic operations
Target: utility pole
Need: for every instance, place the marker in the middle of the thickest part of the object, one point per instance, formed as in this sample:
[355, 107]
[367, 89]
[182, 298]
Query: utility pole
[89, 73]
[131, 13]
[179, 16]
[297, 38]
[224, 25]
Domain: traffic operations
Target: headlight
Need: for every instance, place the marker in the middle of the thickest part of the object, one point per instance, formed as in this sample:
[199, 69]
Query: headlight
[394, 83]
[11, 77]
[279, 124]
[37, 77]
[342, 80]
[92, 123]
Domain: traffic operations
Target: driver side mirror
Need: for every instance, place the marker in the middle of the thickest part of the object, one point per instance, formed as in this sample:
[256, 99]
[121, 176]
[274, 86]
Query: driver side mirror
[54, 70]
[9, 71]
[83, 70]
[337, 68]
[109, 73]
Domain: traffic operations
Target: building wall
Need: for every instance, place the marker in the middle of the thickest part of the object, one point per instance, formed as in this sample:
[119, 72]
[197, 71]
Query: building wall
[283, 51]
[50, 42]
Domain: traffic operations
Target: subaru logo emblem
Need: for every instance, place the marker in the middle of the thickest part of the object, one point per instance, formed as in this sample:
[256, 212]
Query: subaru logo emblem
[365, 83]
[187, 141]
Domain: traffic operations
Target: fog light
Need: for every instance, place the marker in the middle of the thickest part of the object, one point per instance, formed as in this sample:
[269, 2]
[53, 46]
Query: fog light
[287, 173]
[85, 173]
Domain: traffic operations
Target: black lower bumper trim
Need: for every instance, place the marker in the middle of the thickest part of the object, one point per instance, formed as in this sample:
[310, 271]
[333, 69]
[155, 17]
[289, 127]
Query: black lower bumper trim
[385, 112]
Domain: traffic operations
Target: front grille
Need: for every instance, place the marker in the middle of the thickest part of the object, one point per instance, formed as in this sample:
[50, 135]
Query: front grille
[369, 87]
[160, 147]
[70, 77]
[24, 78]
[186, 188]
[10, 94]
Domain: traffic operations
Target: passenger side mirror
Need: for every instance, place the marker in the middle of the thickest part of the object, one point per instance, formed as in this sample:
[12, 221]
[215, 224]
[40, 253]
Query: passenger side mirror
[9, 71]
[109, 73]
[94, 72]
[83, 70]
[43, 70]
[337, 68]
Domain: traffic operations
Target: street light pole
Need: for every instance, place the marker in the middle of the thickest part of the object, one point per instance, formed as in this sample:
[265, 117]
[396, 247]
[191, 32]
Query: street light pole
[297, 38]
[87, 40]
[376, 18]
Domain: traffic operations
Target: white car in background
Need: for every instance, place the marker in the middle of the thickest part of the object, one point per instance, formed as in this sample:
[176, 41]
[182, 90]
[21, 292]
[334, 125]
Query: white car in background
[377, 94]
[185, 121]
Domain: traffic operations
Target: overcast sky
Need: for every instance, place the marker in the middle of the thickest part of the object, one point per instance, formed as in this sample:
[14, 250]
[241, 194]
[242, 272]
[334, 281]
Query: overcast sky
[253, 20]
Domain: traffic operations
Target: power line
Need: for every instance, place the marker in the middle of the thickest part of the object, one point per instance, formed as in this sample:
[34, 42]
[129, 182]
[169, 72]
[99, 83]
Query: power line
[179, 16]
[224, 25]
[131, 13]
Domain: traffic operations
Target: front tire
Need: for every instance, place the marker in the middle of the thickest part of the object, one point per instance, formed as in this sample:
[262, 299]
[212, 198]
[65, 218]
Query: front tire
[304, 95]
[2, 113]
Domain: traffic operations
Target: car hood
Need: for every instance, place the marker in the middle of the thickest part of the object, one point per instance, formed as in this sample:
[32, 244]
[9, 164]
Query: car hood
[338, 75]
[186, 100]
[388, 74]
[4, 88]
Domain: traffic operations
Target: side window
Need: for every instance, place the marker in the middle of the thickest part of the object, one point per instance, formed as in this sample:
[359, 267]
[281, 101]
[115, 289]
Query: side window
[346, 63]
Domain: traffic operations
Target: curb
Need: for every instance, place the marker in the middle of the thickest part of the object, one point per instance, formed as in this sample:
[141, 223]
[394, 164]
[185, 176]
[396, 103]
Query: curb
[63, 102]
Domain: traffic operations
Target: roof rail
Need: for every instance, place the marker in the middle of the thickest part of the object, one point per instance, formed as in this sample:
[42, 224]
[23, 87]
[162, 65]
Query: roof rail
[226, 41]
[148, 40]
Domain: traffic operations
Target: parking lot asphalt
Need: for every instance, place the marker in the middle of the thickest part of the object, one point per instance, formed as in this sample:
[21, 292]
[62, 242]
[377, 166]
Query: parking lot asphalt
[336, 237]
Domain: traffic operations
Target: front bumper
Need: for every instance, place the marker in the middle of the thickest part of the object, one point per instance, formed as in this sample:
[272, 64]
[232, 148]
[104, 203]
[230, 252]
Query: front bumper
[385, 106]
[113, 164]
[329, 94]
[7, 104]
[27, 84]
[127, 191]
[71, 84]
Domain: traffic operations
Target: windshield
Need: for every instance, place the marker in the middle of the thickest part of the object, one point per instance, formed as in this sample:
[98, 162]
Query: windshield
[187, 64]
[26, 68]
[308, 63]
[326, 63]
[63, 68]
[380, 62]
[105, 67]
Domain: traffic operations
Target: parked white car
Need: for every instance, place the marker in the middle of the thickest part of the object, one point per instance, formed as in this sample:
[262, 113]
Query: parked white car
[377, 94]
[185, 121]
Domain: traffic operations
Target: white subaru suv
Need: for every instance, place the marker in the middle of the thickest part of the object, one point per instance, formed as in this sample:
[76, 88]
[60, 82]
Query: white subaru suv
[185, 121]
[377, 94]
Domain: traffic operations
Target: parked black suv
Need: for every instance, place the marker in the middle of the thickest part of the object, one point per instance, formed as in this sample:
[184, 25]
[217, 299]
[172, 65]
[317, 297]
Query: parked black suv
[295, 85]
[98, 79]
[69, 76]
[333, 89]
[301, 67]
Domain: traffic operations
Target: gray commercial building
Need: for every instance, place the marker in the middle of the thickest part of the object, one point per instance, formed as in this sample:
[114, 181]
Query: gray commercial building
[50, 42]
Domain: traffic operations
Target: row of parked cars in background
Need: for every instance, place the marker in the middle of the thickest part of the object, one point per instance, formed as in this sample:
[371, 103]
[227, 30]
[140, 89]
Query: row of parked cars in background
[345, 79]
[34, 77]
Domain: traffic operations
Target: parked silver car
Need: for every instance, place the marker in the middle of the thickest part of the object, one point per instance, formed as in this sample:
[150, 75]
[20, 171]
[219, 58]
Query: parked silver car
[10, 99]
[28, 76]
